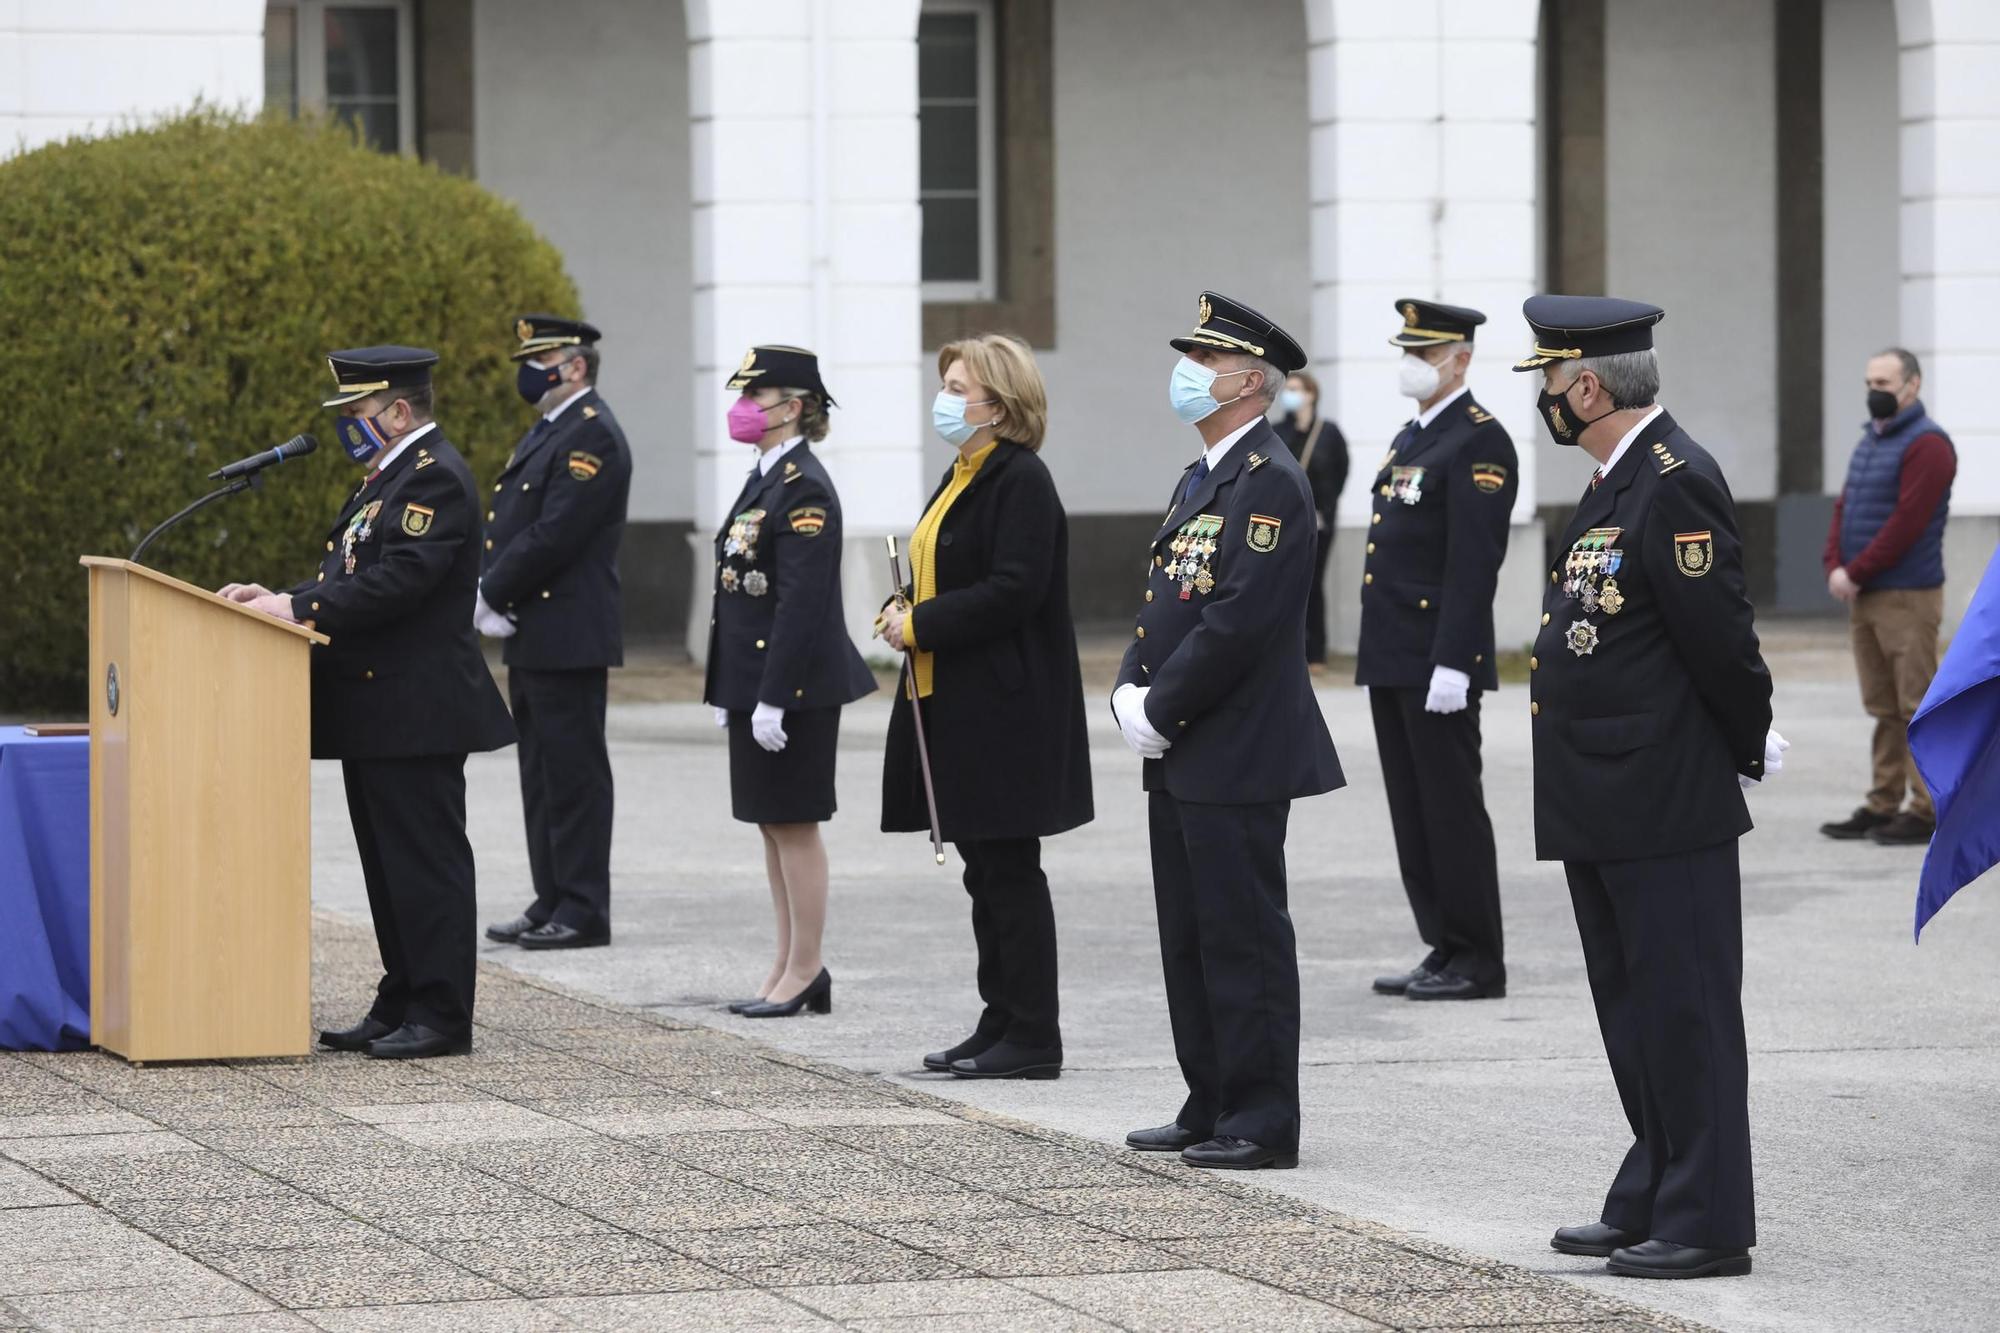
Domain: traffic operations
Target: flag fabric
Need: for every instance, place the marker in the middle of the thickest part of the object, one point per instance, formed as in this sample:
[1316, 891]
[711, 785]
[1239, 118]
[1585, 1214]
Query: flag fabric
[1955, 739]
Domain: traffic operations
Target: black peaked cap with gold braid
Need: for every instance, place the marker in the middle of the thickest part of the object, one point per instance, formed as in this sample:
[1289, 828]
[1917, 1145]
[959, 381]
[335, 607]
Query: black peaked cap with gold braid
[543, 333]
[1568, 328]
[778, 366]
[360, 371]
[1231, 326]
[1429, 323]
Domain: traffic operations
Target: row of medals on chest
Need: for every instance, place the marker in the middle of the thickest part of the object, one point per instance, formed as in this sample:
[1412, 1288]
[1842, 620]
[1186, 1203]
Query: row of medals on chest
[1192, 548]
[741, 540]
[1589, 578]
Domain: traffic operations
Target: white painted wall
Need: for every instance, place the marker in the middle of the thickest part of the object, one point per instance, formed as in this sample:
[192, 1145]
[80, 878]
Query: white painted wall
[71, 67]
[1691, 156]
[581, 118]
[1862, 277]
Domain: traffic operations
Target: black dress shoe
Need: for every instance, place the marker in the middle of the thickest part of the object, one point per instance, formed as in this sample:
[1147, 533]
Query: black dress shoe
[1856, 825]
[1449, 985]
[555, 935]
[1597, 1239]
[817, 996]
[1167, 1138]
[413, 1041]
[1904, 830]
[1225, 1152]
[1663, 1258]
[357, 1037]
[1007, 1059]
[1399, 982]
[509, 931]
[738, 1006]
[976, 1044]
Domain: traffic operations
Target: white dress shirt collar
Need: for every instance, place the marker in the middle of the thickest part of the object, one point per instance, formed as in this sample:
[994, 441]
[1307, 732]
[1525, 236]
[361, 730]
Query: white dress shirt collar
[1626, 443]
[396, 449]
[563, 406]
[1431, 413]
[1214, 453]
[769, 458]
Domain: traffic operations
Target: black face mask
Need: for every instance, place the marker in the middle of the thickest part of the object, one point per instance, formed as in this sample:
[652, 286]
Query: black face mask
[1564, 431]
[1881, 404]
[534, 381]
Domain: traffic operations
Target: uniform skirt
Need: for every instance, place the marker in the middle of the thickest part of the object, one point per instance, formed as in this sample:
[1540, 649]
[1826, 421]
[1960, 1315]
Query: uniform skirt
[793, 785]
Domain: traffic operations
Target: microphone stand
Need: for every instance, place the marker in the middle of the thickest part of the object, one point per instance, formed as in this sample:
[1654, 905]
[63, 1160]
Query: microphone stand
[240, 484]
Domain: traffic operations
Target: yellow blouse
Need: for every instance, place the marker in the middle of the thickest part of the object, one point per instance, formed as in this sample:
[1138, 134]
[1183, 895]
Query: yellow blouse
[923, 556]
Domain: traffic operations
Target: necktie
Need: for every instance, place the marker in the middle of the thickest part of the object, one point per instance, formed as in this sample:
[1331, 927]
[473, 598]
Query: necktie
[1196, 478]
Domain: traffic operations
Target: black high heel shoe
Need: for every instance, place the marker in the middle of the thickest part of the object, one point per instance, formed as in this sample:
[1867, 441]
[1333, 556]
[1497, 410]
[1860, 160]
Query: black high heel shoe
[738, 1006]
[817, 996]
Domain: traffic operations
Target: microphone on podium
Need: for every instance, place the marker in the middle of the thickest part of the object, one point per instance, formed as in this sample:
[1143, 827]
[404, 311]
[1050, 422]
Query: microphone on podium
[296, 447]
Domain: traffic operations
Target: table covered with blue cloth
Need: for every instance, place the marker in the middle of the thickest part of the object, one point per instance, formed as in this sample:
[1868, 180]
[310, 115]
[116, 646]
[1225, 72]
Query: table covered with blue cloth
[44, 892]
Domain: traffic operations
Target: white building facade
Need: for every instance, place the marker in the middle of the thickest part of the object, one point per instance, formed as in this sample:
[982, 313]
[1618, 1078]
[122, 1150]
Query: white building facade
[1798, 182]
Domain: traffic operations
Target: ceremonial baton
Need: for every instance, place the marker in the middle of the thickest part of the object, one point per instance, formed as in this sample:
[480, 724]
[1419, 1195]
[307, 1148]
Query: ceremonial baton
[916, 713]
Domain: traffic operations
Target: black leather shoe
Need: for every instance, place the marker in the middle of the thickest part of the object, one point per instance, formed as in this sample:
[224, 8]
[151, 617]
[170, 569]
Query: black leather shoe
[1663, 1258]
[413, 1041]
[738, 1006]
[1167, 1138]
[1225, 1152]
[357, 1037]
[509, 931]
[1597, 1239]
[1904, 830]
[1449, 985]
[1856, 825]
[817, 996]
[1399, 982]
[976, 1044]
[555, 935]
[1006, 1059]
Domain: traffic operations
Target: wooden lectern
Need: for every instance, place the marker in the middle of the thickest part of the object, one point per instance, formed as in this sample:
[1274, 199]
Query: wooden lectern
[200, 822]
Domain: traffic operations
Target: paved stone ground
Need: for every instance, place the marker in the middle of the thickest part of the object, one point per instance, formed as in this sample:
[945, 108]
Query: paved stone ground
[594, 1167]
[1875, 1064]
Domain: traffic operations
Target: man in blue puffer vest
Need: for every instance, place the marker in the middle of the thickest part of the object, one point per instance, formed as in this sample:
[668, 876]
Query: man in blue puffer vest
[1885, 558]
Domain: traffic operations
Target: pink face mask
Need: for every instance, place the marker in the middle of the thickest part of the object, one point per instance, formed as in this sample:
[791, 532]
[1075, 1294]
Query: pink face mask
[746, 421]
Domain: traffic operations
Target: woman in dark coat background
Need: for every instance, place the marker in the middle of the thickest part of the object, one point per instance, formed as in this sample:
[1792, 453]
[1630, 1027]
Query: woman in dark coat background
[994, 660]
[1322, 451]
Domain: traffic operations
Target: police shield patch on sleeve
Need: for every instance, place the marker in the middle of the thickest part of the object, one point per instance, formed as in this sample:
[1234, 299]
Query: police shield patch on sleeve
[1489, 477]
[583, 466]
[807, 522]
[1694, 553]
[1263, 532]
[417, 519]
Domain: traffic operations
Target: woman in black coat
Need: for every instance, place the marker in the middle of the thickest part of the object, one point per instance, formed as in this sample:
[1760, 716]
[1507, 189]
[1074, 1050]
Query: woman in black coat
[1322, 451]
[993, 657]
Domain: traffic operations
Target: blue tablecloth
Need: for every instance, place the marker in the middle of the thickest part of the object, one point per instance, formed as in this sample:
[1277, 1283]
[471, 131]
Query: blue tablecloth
[44, 892]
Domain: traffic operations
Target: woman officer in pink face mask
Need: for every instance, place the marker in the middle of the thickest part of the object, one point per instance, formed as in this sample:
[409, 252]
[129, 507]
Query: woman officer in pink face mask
[780, 663]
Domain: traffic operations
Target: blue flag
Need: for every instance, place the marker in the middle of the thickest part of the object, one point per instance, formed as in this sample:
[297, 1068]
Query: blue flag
[1955, 739]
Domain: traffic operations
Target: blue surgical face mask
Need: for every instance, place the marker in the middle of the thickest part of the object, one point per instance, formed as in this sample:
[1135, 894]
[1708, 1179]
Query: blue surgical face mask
[948, 417]
[1189, 388]
[1290, 400]
[361, 437]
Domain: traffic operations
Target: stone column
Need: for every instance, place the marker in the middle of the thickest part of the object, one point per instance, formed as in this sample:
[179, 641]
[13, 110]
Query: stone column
[1950, 96]
[806, 231]
[1424, 183]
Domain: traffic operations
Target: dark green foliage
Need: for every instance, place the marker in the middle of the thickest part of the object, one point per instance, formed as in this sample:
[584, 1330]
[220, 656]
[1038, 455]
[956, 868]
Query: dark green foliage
[169, 296]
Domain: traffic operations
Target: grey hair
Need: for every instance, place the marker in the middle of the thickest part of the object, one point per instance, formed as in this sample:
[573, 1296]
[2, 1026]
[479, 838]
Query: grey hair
[1907, 359]
[1631, 378]
[1274, 379]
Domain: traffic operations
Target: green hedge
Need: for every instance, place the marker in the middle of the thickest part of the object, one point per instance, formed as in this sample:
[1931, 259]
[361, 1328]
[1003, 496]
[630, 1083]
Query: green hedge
[169, 296]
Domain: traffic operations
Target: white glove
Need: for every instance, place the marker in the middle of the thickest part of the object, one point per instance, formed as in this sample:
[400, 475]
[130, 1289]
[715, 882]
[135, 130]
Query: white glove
[767, 727]
[1448, 690]
[722, 718]
[488, 621]
[1774, 758]
[1128, 705]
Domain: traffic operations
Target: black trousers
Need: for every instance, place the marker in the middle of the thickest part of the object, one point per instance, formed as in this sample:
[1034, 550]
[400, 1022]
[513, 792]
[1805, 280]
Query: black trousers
[409, 826]
[565, 793]
[1444, 840]
[1014, 925]
[1231, 964]
[1316, 598]
[1663, 944]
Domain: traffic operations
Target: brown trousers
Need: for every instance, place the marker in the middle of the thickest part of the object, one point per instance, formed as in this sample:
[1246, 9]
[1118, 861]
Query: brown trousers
[1895, 635]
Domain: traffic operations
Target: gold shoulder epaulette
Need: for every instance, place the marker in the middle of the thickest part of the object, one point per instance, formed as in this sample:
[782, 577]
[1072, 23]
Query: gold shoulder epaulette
[589, 412]
[1257, 461]
[1664, 459]
[1480, 416]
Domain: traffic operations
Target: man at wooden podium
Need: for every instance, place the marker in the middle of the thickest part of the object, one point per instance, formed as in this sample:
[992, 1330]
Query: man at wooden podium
[401, 695]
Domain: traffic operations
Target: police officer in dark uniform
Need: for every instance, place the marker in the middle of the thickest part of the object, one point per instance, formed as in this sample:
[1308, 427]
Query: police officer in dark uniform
[1651, 713]
[401, 695]
[780, 663]
[548, 587]
[1443, 496]
[1215, 695]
